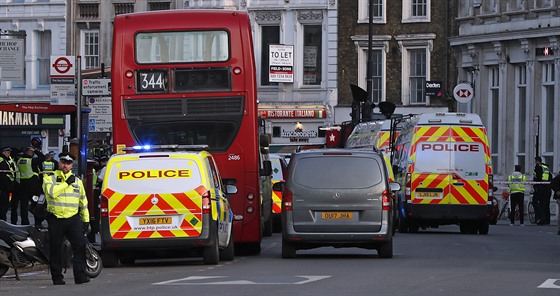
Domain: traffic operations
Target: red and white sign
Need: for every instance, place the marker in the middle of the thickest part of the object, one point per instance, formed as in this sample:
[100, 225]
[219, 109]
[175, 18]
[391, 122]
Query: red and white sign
[463, 92]
[293, 113]
[63, 66]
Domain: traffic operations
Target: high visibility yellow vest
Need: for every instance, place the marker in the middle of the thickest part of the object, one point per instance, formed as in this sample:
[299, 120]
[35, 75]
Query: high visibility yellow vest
[514, 188]
[48, 166]
[545, 173]
[63, 200]
[12, 166]
[25, 169]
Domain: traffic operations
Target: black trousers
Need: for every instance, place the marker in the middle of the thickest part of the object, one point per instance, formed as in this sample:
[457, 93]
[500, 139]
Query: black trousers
[4, 204]
[26, 189]
[541, 202]
[516, 199]
[71, 228]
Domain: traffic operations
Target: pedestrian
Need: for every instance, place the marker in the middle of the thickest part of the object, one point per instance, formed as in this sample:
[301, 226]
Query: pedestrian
[555, 186]
[516, 194]
[541, 195]
[7, 180]
[30, 184]
[68, 216]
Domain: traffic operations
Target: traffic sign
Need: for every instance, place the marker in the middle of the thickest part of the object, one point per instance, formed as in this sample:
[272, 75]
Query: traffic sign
[63, 66]
[463, 92]
[96, 87]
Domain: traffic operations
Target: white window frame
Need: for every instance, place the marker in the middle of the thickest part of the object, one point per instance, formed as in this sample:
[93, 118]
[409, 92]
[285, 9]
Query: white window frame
[520, 121]
[299, 52]
[44, 57]
[543, 4]
[83, 47]
[257, 41]
[383, 47]
[515, 5]
[548, 76]
[489, 7]
[406, 43]
[494, 77]
[363, 12]
[407, 16]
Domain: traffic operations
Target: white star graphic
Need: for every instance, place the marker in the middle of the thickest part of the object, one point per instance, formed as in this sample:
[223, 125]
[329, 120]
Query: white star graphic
[332, 137]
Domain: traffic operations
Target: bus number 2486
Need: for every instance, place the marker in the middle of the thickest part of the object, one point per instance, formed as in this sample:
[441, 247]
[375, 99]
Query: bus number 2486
[234, 157]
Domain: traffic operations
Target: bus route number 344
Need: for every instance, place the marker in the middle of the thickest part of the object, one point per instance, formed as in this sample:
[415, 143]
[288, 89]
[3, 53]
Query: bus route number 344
[151, 81]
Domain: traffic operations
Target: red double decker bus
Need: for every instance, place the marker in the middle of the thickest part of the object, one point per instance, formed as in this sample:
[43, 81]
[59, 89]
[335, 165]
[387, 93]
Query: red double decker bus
[188, 77]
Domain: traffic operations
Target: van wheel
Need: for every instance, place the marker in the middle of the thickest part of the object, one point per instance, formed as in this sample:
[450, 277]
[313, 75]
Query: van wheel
[288, 250]
[228, 254]
[128, 259]
[386, 249]
[109, 259]
[211, 253]
[267, 229]
[413, 226]
[483, 227]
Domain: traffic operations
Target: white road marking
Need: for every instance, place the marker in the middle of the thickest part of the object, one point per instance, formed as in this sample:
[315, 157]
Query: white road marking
[215, 280]
[550, 284]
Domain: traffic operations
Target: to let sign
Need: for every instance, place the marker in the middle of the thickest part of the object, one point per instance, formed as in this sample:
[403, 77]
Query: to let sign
[281, 63]
[96, 87]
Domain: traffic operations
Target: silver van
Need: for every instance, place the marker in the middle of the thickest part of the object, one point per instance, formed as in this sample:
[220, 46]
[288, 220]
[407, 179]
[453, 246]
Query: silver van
[338, 198]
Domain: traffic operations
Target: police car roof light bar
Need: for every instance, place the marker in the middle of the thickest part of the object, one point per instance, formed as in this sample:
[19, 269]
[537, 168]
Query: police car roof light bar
[174, 147]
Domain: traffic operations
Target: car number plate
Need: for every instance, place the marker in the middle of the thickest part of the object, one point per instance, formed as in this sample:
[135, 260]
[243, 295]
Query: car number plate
[432, 195]
[155, 220]
[336, 215]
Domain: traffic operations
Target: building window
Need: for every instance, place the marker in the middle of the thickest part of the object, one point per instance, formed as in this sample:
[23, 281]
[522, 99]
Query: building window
[465, 8]
[543, 4]
[493, 100]
[312, 56]
[417, 76]
[521, 111]
[489, 7]
[514, 5]
[269, 35]
[416, 11]
[548, 112]
[380, 45]
[378, 11]
[44, 51]
[90, 49]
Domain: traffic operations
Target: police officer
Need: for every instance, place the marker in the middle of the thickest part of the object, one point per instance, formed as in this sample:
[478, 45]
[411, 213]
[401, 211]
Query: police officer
[49, 165]
[541, 197]
[7, 180]
[30, 184]
[68, 217]
[517, 194]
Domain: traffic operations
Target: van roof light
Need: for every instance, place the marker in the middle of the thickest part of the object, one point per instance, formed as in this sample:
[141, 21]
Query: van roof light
[465, 121]
[434, 120]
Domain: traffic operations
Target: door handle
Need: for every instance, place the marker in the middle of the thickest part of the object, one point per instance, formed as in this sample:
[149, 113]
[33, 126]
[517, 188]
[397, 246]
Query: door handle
[459, 184]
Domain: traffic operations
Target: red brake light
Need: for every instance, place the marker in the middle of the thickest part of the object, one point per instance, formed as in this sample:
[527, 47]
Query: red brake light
[287, 198]
[104, 206]
[407, 188]
[386, 198]
[206, 204]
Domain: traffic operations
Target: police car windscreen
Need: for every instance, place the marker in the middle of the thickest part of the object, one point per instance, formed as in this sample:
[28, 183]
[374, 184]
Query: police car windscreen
[463, 158]
[338, 172]
[158, 175]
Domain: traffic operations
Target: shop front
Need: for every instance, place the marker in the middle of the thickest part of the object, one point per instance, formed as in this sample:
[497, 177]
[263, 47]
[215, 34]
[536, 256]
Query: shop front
[293, 127]
[33, 124]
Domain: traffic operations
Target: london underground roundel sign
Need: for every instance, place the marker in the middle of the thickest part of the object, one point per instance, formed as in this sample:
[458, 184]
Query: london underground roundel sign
[463, 92]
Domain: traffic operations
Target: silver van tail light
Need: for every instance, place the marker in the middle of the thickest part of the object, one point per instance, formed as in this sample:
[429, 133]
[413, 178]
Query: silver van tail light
[386, 199]
[206, 204]
[287, 198]
[407, 188]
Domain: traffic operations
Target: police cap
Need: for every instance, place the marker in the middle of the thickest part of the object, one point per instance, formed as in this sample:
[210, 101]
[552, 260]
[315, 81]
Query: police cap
[6, 149]
[66, 157]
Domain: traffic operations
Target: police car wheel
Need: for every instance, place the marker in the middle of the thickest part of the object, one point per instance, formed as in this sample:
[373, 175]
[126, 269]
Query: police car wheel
[109, 259]
[211, 254]
[228, 254]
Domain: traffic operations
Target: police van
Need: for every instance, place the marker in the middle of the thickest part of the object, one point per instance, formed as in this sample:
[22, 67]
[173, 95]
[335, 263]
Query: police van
[165, 202]
[443, 162]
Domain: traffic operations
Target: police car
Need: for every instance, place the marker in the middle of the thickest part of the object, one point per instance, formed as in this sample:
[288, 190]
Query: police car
[159, 200]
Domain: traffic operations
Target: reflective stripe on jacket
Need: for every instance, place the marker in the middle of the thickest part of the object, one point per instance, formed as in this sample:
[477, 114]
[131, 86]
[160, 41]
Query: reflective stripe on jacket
[48, 166]
[514, 188]
[63, 200]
